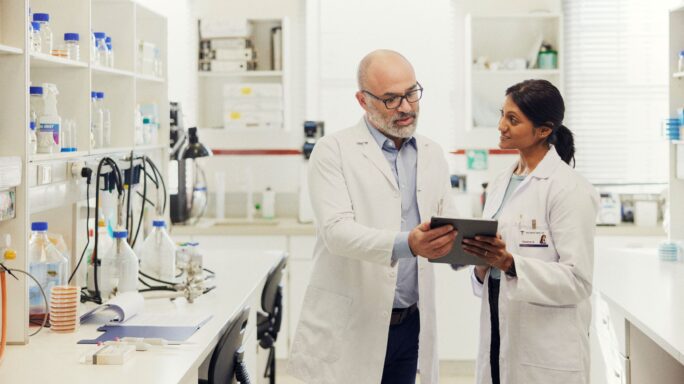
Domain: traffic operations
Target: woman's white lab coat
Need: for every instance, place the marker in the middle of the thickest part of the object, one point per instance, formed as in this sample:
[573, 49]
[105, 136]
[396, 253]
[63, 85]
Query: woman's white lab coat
[544, 313]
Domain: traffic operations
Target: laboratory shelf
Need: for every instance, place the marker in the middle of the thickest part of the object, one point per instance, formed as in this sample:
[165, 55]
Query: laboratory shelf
[9, 50]
[41, 60]
[518, 72]
[534, 15]
[150, 78]
[99, 70]
[678, 75]
[110, 151]
[42, 157]
[242, 74]
[149, 147]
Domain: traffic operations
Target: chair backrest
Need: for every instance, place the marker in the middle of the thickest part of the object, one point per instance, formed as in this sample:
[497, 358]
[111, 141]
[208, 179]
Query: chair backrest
[268, 296]
[222, 363]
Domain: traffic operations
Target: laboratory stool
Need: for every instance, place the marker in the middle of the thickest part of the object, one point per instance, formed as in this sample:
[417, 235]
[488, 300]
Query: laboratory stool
[270, 316]
[226, 365]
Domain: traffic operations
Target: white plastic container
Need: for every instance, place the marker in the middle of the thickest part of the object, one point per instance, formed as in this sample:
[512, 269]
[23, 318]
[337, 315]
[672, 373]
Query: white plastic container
[33, 139]
[97, 121]
[158, 253]
[47, 265]
[268, 204]
[36, 104]
[104, 244]
[106, 121]
[119, 268]
[49, 123]
[45, 32]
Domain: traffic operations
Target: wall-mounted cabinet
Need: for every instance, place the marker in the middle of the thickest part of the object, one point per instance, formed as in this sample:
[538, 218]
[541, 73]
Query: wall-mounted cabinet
[134, 87]
[502, 50]
[676, 98]
[244, 75]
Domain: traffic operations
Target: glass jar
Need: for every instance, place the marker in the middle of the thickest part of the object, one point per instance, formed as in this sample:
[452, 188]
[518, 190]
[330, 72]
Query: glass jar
[35, 37]
[45, 32]
[71, 41]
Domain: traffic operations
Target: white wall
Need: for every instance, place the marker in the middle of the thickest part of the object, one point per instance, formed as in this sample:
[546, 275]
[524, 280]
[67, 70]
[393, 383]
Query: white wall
[182, 58]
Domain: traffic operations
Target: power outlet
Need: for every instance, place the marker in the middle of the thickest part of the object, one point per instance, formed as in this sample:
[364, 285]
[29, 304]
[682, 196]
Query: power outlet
[44, 174]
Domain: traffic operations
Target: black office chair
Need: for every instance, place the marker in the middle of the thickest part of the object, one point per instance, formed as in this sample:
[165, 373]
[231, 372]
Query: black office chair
[269, 319]
[226, 365]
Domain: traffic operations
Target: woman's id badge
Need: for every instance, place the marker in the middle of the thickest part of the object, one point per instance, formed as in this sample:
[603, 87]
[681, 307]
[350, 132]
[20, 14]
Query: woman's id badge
[533, 238]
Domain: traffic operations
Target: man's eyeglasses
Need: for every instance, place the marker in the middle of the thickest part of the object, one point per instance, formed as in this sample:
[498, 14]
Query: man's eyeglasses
[393, 102]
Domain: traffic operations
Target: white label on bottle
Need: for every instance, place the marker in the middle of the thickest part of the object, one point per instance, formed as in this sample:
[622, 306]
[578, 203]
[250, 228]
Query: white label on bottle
[173, 177]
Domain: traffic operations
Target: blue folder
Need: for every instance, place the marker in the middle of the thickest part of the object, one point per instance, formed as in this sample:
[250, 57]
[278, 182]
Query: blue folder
[112, 332]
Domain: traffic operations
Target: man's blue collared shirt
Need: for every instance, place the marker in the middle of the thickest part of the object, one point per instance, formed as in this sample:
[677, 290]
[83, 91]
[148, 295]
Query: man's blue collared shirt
[403, 162]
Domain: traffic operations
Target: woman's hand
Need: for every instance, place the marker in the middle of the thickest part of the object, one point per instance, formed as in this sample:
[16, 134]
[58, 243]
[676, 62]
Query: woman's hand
[491, 249]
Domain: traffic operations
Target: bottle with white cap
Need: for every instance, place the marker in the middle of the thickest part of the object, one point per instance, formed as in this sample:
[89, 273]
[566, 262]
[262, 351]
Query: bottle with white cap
[158, 253]
[119, 268]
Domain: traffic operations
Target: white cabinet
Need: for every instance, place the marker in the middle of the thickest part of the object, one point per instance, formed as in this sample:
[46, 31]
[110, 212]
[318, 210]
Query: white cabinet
[500, 51]
[676, 87]
[124, 88]
[249, 93]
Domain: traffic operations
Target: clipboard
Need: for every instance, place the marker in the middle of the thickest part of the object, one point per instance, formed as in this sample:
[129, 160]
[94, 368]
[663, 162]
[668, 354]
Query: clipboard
[468, 229]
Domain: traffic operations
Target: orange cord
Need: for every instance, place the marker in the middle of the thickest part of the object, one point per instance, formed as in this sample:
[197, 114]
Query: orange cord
[3, 338]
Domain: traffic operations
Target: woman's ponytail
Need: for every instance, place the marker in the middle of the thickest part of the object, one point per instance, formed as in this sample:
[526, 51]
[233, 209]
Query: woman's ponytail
[543, 104]
[564, 141]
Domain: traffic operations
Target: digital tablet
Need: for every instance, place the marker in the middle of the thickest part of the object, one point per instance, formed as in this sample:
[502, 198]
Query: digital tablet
[468, 229]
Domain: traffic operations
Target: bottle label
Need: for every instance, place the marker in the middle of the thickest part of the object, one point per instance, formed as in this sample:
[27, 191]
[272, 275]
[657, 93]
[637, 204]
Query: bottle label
[49, 128]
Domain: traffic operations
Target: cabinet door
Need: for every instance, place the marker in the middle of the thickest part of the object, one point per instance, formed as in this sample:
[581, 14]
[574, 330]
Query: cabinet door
[458, 314]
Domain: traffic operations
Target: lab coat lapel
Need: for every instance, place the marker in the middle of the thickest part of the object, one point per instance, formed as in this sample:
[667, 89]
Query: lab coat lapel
[496, 194]
[543, 170]
[423, 174]
[373, 153]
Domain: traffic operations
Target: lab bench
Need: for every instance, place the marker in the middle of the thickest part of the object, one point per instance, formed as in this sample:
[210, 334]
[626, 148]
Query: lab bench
[645, 298]
[240, 277]
[288, 235]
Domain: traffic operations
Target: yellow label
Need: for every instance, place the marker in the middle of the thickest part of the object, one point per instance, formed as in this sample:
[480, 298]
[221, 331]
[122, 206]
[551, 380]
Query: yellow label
[246, 91]
[235, 115]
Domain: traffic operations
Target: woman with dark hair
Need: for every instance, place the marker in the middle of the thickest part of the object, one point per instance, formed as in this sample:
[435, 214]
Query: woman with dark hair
[536, 311]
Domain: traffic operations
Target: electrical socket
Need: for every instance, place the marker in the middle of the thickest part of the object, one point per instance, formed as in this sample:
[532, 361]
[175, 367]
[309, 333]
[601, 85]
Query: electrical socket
[75, 168]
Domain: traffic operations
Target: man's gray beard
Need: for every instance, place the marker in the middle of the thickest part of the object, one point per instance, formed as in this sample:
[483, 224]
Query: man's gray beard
[389, 129]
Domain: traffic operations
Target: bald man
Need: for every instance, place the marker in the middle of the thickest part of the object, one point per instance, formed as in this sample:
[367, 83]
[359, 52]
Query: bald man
[368, 313]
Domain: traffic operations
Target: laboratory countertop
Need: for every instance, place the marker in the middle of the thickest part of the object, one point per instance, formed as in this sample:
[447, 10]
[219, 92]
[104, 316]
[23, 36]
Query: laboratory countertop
[243, 227]
[647, 291]
[54, 358]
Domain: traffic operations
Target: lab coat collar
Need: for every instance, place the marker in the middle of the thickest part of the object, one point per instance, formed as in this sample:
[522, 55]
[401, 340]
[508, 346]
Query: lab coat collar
[547, 166]
[544, 170]
[373, 152]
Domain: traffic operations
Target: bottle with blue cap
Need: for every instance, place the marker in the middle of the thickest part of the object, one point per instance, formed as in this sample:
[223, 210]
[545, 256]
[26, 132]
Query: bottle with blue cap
[35, 41]
[71, 41]
[106, 121]
[33, 139]
[110, 52]
[119, 271]
[158, 253]
[97, 122]
[45, 32]
[101, 48]
[35, 104]
[48, 265]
